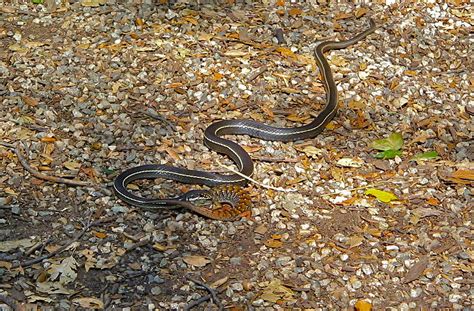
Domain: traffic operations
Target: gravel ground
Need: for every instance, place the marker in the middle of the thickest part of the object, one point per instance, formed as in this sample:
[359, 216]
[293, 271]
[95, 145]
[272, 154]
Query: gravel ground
[78, 83]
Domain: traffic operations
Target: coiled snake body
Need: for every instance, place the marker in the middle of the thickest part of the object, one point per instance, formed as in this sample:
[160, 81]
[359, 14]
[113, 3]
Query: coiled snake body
[213, 139]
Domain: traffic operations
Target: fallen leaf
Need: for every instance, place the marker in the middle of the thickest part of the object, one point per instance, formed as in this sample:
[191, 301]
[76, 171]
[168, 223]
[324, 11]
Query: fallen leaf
[350, 162]
[272, 243]
[464, 174]
[90, 259]
[236, 53]
[360, 12]
[6, 246]
[433, 201]
[30, 101]
[89, 302]
[53, 288]
[425, 156]
[295, 11]
[5, 264]
[382, 196]
[355, 241]
[196, 261]
[252, 149]
[393, 142]
[261, 229]
[388, 154]
[311, 151]
[219, 282]
[276, 292]
[285, 52]
[416, 270]
[73, 166]
[100, 235]
[363, 305]
[64, 271]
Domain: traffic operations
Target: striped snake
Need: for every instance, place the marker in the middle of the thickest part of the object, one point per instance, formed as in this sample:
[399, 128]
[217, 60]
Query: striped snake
[213, 139]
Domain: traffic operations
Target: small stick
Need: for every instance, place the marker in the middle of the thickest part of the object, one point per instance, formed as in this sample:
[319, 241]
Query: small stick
[254, 181]
[37, 246]
[62, 248]
[256, 73]
[154, 115]
[211, 291]
[270, 159]
[39, 175]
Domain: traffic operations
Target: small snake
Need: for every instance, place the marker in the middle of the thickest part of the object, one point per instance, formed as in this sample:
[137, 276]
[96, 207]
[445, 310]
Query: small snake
[213, 139]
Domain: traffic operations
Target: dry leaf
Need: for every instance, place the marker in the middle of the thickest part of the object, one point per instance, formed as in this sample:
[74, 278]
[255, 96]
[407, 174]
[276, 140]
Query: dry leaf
[295, 11]
[100, 235]
[236, 53]
[277, 292]
[6, 246]
[252, 149]
[30, 101]
[350, 162]
[382, 196]
[360, 12]
[355, 241]
[272, 243]
[65, 271]
[73, 166]
[261, 229]
[53, 288]
[464, 174]
[219, 282]
[196, 261]
[90, 260]
[416, 270]
[89, 302]
[363, 305]
[310, 151]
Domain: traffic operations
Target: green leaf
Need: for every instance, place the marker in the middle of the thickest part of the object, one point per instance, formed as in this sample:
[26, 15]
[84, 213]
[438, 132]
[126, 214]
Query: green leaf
[428, 155]
[107, 171]
[388, 154]
[392, 142]
[37, 1]
[382, 196]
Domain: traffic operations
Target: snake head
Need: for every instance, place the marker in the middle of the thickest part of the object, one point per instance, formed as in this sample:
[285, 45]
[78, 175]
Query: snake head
[195, 195]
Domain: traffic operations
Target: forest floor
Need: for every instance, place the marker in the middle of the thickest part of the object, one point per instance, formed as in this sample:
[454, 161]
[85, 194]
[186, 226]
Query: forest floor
[376, 211]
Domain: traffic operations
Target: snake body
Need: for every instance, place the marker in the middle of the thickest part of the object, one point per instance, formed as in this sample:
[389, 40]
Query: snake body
[214, 140]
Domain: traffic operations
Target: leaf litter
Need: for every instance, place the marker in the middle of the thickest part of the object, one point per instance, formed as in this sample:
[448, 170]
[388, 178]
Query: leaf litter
[80, 115]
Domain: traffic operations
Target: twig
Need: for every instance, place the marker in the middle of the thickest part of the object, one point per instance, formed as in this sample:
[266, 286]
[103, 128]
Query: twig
[37, 246]
[212, 294]
[62, 248]
[256, 73]
[154, 115]
[39, 175]
[253, 180]
[12, 303]
[276, 160]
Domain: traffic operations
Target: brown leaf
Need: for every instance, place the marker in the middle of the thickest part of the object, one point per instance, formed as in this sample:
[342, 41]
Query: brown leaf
[196, 261]
[261, 229]
[272, 243]
[30, 101]
[464, 174]
[251, 149]
[295, 11]
[360, 12]
[416, 270]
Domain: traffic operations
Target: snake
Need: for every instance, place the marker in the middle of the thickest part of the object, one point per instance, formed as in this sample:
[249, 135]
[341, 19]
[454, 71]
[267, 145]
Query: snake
[214, 140]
